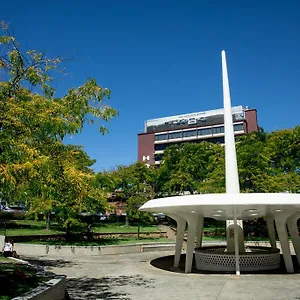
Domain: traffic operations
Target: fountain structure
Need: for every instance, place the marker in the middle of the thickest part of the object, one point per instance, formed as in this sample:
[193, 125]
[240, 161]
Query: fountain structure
[280, 209]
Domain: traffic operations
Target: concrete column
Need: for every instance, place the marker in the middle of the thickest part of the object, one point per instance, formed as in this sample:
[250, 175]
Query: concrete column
[199, 231]
[236, 244]
[181, 224]
[280, 221]
[192, 220]
[271, 231]
[294, 233]
[231, 232]
[2, 241]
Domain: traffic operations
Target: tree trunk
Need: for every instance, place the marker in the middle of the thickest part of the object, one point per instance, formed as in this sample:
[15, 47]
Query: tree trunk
[68, 228]
[48, 221]
[126, 221]
[138, 228]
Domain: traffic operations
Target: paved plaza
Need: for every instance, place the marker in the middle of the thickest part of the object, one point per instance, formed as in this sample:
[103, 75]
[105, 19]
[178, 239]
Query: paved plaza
[133, 277]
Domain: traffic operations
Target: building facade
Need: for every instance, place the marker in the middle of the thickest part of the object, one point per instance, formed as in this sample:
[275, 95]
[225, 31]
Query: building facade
[195, 127]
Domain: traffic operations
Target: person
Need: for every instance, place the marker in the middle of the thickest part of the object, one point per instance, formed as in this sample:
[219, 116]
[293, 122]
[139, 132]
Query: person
[8, 249]
[90, 232]
[14, 253]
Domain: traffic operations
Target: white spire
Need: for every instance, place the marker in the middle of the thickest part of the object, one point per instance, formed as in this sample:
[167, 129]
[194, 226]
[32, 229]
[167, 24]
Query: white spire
[232, 177]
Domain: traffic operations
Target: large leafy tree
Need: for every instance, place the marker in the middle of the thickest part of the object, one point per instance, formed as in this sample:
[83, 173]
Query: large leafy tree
[136, 186]
[254, 164]
[34, 162]
[187, 168]
[284, 153]
[267, 162]
[284, 148]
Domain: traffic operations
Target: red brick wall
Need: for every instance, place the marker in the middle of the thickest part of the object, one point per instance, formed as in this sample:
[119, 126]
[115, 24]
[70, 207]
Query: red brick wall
[251, 120]
[146, 147]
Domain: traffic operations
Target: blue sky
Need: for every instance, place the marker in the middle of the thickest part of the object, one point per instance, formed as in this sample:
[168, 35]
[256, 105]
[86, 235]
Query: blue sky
[162, 58]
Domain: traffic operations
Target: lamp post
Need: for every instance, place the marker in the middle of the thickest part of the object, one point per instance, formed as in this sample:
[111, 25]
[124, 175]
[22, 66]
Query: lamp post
[138, 219]
[138, 225]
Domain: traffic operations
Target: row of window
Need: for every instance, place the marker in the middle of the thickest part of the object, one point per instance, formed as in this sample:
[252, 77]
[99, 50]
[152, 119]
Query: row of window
[191, 133]
[238, 127]
[160, 147]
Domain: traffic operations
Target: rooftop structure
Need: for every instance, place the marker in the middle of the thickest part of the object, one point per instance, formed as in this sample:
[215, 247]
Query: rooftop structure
[283, 208]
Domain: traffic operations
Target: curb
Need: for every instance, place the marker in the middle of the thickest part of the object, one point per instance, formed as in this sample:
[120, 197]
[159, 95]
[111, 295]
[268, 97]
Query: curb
[56, 250]
[54, 289]
[19, 260]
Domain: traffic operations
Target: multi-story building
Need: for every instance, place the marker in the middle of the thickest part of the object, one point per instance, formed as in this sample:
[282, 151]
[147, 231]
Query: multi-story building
[193, 127]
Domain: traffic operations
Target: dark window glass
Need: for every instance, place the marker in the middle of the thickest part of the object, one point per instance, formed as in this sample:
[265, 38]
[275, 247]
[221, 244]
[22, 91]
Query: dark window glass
[217, 140]
[161, 137]
[158, 147]
[175, 135]
[158, 157]
[189, 133]
[206, 131]
[238, 127]
[218, 129]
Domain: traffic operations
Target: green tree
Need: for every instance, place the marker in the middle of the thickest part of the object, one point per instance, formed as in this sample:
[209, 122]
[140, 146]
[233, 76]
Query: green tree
[267, 162]
[284, 148]
[188, 167]
[34, 161]
[214, 181]
[254, 163]
[136, 183]
[106, 181]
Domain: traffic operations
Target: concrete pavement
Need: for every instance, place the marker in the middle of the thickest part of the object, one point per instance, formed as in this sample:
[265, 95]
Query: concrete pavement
[132, 277]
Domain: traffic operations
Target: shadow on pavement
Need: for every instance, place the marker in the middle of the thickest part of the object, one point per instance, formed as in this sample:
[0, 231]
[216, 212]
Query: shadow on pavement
[104, 288]
[166, 263]
[49, 262]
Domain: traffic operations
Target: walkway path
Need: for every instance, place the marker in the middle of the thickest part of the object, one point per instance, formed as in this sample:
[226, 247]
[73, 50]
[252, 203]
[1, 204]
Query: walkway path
[132, 277]
[171, 234]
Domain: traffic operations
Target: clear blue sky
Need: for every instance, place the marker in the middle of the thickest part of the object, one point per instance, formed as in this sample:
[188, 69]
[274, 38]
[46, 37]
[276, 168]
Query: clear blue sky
[161, 58]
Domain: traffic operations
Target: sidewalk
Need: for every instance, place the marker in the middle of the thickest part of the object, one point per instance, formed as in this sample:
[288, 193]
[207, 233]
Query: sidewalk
[132, 277]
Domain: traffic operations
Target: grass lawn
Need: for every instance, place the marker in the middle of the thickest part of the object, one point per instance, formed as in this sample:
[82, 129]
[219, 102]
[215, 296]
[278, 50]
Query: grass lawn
[4, 259]
[31, 231]
[32, 227]
[214, 238]
[38, 228]
[116, 228]
[257, 239]
[104, 242]
[33, 223]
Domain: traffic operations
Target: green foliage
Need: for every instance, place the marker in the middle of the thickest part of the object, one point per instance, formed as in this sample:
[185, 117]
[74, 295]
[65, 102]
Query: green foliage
[190, 167]
[270, 162]
[106, 181]
[35, 165]
[284, 147]
[266, 163]
[254, 164]
[135, 185]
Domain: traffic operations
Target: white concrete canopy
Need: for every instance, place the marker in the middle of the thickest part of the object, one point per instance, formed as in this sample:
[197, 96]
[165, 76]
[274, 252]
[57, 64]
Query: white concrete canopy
[282, 207]
[221, 206]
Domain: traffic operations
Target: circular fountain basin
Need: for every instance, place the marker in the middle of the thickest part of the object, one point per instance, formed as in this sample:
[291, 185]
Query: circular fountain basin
[255, 258]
